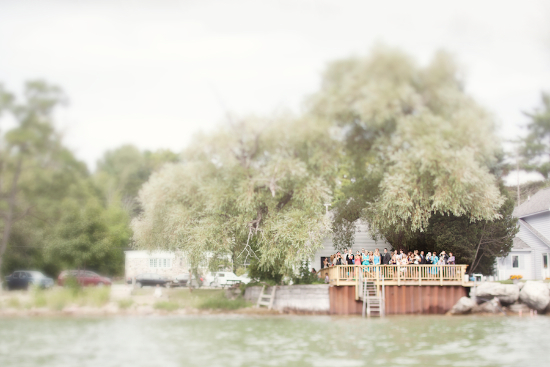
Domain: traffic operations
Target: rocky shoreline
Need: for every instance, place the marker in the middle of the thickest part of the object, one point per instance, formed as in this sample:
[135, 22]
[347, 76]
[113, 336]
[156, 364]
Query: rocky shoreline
[531, 297]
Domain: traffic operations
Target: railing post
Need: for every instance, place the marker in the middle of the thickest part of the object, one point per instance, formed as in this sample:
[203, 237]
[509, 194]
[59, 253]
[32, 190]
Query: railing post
[398, 276]
[441, 275]
[419, 274]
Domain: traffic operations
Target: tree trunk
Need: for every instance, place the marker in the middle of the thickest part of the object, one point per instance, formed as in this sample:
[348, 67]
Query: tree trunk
[472, 267]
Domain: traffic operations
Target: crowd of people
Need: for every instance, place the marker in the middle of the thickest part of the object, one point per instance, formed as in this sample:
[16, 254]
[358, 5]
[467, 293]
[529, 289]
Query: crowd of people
[389, 258]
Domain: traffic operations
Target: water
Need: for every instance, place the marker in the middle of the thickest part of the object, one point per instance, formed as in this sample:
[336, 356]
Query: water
[275, 341]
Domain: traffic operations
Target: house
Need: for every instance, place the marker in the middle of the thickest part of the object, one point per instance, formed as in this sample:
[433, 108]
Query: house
[363, 240]
[531, 249]
[165, 263]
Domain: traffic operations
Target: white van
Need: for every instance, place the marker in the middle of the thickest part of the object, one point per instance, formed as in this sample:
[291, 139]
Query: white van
[224, 278]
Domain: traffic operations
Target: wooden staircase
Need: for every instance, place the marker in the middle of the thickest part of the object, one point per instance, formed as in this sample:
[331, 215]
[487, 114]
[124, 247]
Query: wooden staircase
[373, 299]
[266, 299]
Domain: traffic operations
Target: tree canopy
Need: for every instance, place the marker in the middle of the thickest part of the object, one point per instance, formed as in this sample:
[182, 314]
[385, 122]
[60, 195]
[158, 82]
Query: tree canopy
[254, 185]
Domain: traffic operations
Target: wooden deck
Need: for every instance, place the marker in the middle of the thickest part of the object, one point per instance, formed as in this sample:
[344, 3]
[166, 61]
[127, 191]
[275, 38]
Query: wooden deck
[442, 275]
[408, 288]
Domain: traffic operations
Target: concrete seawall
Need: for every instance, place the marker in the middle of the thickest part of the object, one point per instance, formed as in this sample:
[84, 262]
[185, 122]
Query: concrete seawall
[302, 298]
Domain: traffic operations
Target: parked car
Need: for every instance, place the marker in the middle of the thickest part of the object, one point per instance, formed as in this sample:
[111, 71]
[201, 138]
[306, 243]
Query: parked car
[182, 279]
[22, 279]
[83, 277]
[224, 278]
[151, 280]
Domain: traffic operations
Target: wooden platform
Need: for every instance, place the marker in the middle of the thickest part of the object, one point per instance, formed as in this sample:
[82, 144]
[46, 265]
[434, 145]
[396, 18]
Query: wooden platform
[409, 289]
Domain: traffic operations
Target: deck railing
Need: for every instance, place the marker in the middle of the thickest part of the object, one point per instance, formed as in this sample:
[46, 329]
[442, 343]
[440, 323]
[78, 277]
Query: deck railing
[397, 274]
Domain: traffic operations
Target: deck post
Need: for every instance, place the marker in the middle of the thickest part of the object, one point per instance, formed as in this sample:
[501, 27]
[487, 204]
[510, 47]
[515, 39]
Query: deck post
[398, 276]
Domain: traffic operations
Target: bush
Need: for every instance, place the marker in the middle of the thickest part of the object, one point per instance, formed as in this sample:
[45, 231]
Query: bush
[305, 276]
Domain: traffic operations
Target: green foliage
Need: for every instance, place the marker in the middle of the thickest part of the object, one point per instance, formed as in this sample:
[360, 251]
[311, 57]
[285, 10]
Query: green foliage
[240, 271]
[264, 273]
[72, 284]
[122, 172]
[221, 302]
[166, 306]
[305, 276]
[89, 236]
[125, 303]
[535, 147]
[415, 144]
[248, 183]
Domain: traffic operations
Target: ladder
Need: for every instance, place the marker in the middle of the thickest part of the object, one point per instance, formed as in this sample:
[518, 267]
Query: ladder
[266, 299]
[373, 299]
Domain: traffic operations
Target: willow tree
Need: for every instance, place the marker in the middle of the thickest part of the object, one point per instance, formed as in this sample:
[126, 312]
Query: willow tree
[251, 189]
[416, 144]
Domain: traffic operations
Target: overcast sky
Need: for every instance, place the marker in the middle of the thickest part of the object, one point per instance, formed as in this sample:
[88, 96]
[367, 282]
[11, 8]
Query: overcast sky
[152, 73]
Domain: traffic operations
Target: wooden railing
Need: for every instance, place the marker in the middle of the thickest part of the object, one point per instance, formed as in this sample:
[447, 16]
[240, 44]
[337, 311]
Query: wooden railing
[397, 274]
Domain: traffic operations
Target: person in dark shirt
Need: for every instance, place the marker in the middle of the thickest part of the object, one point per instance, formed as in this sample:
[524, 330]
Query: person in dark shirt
[386, 257]
[422, 258]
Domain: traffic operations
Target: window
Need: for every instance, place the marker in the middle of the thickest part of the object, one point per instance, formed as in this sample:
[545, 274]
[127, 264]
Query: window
[545, 261]
[515, 261]
[160, 263]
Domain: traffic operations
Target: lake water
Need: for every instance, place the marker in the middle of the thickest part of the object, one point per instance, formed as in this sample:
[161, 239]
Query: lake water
[275, 341]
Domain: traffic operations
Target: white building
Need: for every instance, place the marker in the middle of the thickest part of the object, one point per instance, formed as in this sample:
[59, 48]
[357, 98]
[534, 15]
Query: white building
[164, 263]
[531, 250]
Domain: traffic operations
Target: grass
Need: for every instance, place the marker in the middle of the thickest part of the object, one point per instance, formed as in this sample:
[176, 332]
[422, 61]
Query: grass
[125, 303]
[166, 305]
[57, 299]
[223, 303]
[213, 299]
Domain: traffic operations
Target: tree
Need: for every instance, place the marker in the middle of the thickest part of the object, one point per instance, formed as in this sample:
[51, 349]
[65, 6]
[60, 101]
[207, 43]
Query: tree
[535, 147]
[253, 186]
[26, 148]
[89, 236]
[49, 203]
[474, 243]
[415, 145]
[122, 171]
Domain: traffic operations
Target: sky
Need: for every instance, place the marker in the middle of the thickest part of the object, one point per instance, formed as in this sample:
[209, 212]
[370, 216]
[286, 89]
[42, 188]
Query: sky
[153, 73]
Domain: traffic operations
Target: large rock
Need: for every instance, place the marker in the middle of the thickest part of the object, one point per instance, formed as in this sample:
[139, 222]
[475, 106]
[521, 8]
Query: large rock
[535, 295]
[492, 306]
[464, 305]
[506, 293]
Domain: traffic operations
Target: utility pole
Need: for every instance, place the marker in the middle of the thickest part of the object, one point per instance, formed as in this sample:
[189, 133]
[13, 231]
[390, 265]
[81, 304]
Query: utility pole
[517, 172]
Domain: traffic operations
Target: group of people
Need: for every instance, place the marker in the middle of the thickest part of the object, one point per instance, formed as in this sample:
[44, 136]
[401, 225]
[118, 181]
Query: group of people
[389, 258]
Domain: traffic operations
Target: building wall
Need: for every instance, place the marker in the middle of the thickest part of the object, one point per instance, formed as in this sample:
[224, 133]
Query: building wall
[541, 222]
[526, 266]
[363, 239]
[138, 262]
[400, 300]
[538, 248]
[303, 298]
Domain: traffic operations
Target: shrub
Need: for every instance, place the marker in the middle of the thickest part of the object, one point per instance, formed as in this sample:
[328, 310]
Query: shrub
[305, 276]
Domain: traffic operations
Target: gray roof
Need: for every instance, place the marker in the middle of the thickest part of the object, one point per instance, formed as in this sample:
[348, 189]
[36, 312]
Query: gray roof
[539, 203]
[535, 232]
[520, 245]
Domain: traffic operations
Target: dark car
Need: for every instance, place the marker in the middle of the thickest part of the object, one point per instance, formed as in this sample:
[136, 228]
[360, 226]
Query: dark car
[83, 277]
[22, 279]
[152, 280]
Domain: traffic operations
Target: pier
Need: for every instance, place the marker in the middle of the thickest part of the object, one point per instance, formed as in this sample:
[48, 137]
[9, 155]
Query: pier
[401, 289]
